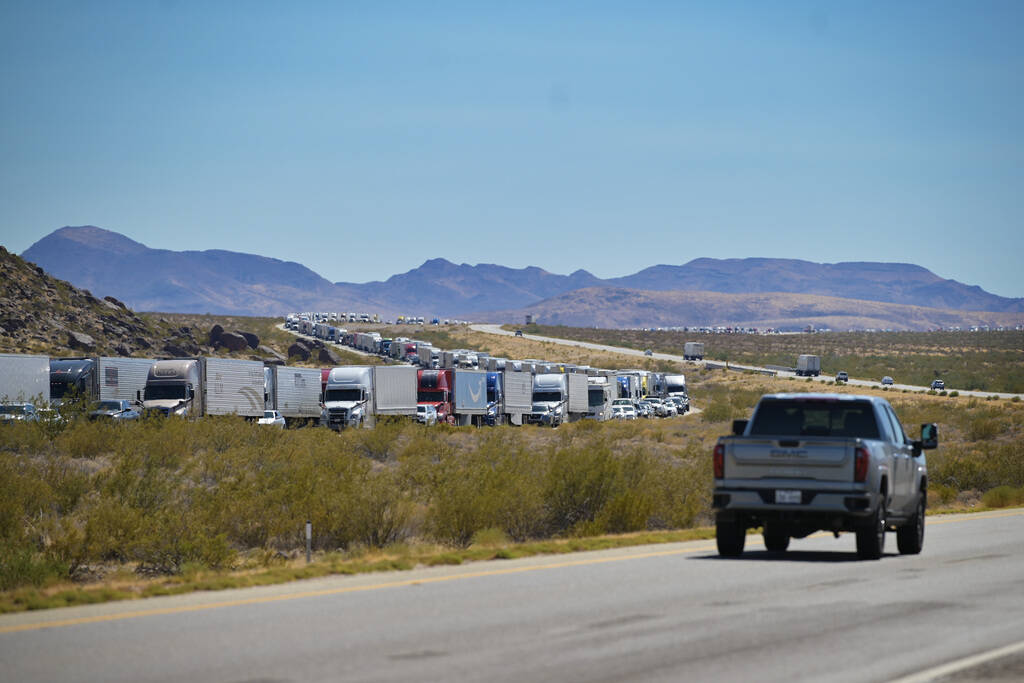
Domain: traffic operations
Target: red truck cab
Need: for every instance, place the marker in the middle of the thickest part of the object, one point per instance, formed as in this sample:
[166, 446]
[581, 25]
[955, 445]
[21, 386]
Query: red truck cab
[435, 388]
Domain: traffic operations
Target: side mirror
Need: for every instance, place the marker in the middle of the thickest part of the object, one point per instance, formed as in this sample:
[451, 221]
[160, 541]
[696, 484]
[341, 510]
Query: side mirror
[738, 427]
[929, 436]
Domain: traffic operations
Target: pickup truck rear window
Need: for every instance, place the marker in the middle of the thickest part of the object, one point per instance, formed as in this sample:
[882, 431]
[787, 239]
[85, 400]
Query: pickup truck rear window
[814, 418]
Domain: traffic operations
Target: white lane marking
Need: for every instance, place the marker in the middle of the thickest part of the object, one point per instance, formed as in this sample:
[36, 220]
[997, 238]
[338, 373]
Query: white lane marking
[961, 664]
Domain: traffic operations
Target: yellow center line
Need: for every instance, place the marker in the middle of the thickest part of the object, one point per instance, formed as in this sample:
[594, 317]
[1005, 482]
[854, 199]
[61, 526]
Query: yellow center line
[56, 623]
[338, 591]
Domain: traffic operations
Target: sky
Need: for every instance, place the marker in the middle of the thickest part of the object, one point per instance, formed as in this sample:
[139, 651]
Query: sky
[361, 139]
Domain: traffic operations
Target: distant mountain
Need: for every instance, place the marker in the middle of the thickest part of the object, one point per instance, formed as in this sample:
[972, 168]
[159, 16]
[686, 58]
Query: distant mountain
[231, 283]
[614, 307]
[891, 282]
[215, 281]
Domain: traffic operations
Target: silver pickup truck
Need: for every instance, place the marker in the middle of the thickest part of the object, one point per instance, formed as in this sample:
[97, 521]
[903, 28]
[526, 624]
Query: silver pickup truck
[806, 462]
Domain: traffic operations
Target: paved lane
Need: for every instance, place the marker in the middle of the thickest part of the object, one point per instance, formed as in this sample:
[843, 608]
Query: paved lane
[656, 613]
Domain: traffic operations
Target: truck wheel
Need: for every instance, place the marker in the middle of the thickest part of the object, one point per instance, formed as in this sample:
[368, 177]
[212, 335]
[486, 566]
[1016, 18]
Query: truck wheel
[776, 537]
[910, 536]
[871, 537]
[730, 536]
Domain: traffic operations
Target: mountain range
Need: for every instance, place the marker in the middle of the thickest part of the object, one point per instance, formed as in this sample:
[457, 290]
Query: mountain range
[227, 282]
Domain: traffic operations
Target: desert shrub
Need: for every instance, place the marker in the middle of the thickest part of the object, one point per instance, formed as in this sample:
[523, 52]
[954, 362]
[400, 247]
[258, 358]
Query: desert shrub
[579, 484]
[1003, 496]
[985, 428]
[462, 501]
[941, 494]
[22, 566]
[87, 438]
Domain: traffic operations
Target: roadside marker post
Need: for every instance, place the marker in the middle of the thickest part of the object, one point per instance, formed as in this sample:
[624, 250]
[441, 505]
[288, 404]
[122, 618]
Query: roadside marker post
[309, 539]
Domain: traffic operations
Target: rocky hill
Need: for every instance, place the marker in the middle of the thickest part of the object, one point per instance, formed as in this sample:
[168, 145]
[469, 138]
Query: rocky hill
[42, 314]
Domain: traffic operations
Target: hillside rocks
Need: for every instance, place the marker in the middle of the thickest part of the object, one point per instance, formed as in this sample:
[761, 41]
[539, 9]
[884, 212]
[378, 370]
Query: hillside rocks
[299, 350]
[41, 314]
[79, 341]
[232, 341]
[251, 339]
[329, 357]
[215, 332]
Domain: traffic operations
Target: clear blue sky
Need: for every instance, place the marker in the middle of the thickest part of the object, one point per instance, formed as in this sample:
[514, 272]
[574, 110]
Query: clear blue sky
[361, 139]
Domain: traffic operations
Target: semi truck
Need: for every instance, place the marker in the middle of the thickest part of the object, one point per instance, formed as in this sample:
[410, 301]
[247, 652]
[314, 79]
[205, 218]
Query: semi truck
[98, 379]
[693, 351]
[558, 398]
[808, 365]
[435, 388]
[348, 398]
[195, 387]
[600, 394]
[629, 385]
[24, 377]
[357, 395]
[675, 385]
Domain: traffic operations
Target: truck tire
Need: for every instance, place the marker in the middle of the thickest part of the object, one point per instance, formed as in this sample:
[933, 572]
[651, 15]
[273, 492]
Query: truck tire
[776, 537]
[910, 536]
[871, 536]
[730, 537]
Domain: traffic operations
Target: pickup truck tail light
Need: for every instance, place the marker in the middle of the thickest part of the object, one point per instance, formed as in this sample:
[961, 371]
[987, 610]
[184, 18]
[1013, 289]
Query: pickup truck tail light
[719, 461]
[860, 464]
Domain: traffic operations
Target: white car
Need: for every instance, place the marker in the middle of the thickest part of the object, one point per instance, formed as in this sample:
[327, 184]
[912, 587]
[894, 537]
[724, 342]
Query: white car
[426, 414]
[661, 409]
[272, 418]
[624, 412]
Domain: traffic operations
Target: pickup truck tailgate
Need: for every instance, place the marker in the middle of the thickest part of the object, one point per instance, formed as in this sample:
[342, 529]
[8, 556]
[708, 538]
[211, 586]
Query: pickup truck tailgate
[821, 459]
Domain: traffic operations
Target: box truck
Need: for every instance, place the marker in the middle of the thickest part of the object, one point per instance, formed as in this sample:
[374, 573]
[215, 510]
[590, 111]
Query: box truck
[808, 365]
[693, 351]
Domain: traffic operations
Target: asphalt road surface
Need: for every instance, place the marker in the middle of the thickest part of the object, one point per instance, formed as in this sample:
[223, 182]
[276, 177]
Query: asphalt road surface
[652, 613]
[497, 329]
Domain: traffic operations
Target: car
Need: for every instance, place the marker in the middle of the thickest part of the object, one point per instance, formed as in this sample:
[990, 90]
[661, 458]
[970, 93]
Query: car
[623, 412]
[426, 414]
[887, 381]
[519, 333]
[271, 418]
[645, 409]
[841, 376]
[938, 385]
[682, 404]
[660, 410]
[117, 410]
[18, 412]
[648, 352]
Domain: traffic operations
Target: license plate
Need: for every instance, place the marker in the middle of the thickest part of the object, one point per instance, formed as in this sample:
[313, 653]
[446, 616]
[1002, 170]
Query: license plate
[787, 496]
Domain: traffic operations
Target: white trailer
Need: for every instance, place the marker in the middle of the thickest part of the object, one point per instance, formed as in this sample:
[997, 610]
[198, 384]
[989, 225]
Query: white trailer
[24, 378]
[234, 387]
[295, 393]
[517, 389]
[123, 378]
[693, 351]
[470, 396]
[579, 401]
[394, 390]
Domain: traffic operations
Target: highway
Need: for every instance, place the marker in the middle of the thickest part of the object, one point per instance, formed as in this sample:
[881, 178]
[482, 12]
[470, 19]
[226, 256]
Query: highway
[497, 329]
[650, 613]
